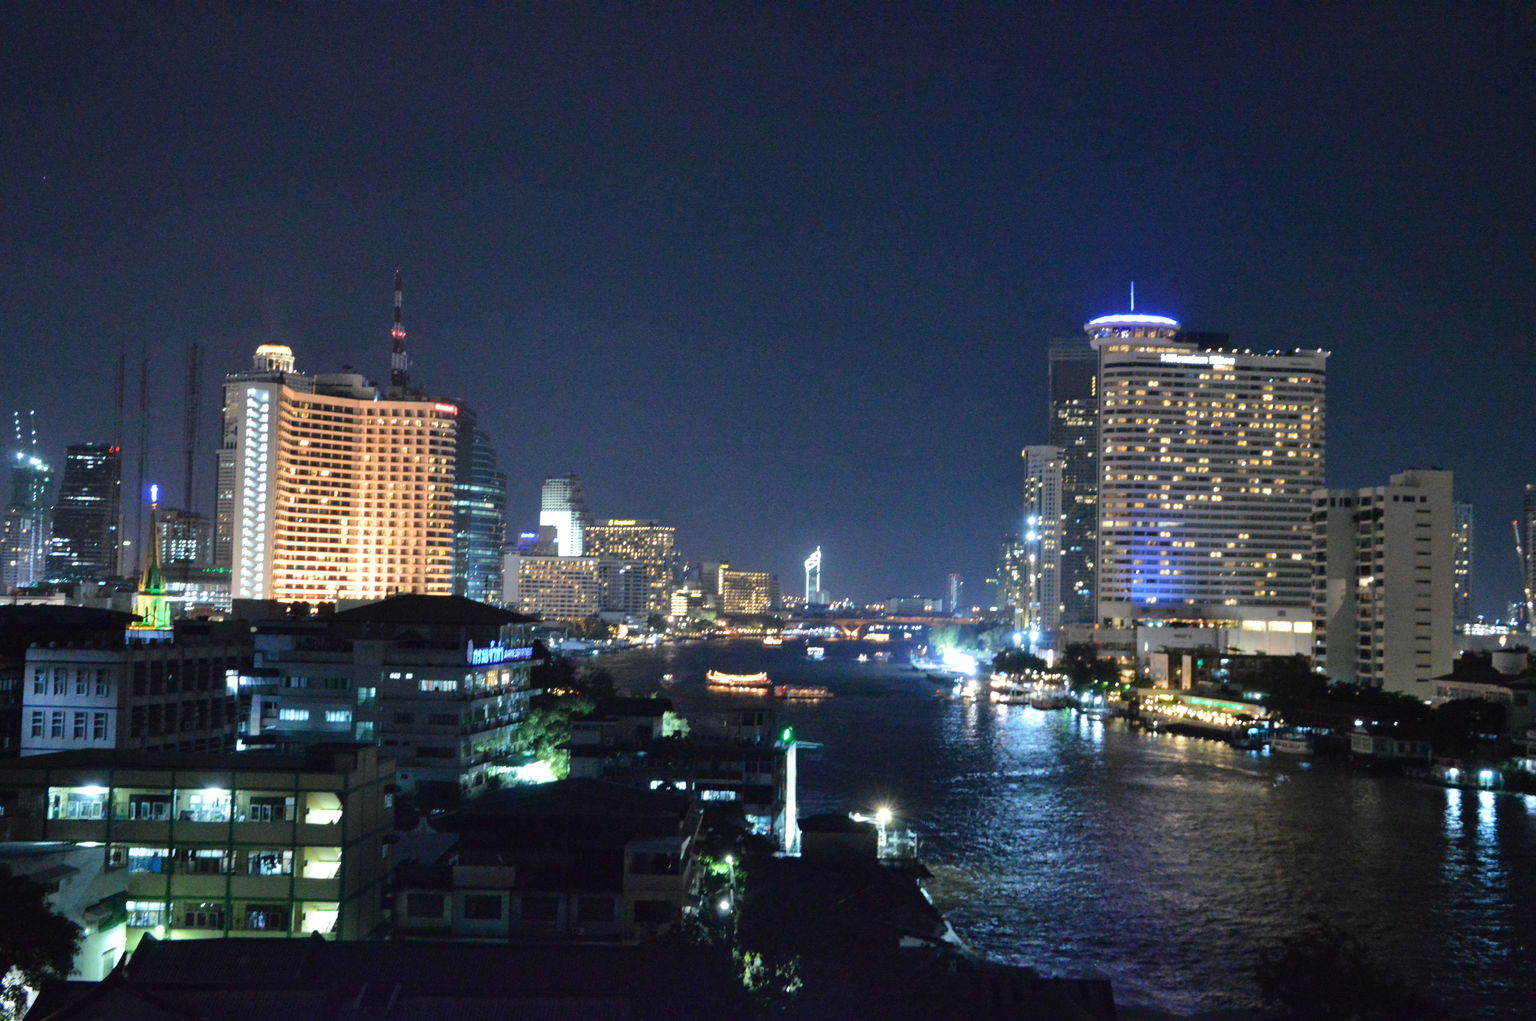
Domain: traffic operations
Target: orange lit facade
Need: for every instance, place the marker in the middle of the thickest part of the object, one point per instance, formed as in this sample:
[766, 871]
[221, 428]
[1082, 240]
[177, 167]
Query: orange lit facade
[329, 493]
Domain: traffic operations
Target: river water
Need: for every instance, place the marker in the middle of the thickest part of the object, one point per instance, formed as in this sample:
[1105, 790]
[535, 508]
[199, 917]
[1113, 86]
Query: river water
[1163, 863]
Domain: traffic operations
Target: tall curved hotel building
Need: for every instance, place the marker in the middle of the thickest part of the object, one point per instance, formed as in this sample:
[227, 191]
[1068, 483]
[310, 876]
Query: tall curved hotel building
[327, 491]
[1208, 462]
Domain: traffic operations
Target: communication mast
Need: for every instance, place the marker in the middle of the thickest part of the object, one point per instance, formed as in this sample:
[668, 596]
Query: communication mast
[194, 413]
[399, 363]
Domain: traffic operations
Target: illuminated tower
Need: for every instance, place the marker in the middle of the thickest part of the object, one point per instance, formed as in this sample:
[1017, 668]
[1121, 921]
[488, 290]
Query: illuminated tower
[479, 514]
[649, 544]
[87, 519]
[1040, 546]
[24, 533]
[149, 603]
[1208, 461]
[563, 507]
[1525, 549]
[1074, 430]
[813, 592]
[327, 491]
[1462, 605]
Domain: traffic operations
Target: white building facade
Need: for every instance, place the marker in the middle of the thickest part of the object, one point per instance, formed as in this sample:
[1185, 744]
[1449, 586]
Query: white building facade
[327, 492]
[1208, 462]
[1383, 600]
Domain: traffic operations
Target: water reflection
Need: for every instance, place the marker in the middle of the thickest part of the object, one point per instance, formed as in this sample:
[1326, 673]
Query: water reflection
[1163, 862]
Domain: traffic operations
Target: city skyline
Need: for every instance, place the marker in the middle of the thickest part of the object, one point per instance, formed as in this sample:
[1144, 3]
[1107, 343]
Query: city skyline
[720, 264]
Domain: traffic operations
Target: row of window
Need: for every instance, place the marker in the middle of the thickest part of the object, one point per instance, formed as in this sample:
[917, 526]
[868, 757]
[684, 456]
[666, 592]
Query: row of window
[87, 681]
[220, 915]
[317, 862]
[53, 722]
[209, 804]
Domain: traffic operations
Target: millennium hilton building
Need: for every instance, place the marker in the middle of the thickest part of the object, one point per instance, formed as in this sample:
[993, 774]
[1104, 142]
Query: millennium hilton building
[1209, 458]
[328, 489]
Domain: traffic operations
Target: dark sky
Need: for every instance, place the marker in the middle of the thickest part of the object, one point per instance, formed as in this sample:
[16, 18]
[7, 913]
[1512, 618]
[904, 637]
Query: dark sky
[781, 275]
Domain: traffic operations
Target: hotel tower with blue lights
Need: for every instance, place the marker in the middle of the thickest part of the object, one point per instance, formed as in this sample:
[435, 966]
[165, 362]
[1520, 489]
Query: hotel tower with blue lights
[1209, 457]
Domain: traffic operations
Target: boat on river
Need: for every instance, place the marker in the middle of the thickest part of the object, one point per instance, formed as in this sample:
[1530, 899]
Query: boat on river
[1292, 742]
[808, 692]
[755, 684]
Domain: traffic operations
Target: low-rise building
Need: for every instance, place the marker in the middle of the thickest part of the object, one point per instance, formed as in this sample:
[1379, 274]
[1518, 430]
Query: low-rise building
[244, 844]
[440, 683]
[102, 690]
[575, 860]
[737, 761]
[82, 889]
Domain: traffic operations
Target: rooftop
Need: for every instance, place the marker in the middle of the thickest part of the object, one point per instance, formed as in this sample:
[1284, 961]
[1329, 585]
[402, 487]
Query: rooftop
[412, 608]
[318, 758]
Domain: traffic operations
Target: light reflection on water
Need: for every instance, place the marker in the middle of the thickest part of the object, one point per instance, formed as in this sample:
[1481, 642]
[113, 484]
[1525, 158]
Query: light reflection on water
[1162, 862]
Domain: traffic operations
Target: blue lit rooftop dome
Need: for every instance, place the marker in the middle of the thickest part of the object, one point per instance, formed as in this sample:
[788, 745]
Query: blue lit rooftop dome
[1131, 324]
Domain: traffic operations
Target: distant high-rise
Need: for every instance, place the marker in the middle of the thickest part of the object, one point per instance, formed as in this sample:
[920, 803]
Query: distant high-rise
[24, 532]
[1040, 598]
[88, 517]
[649, 546]
[747, 591]
[1383, 592]
[1074, 429]
[186, 538]
[1461, 608]
[956, 587]
[814, 595]
[1526, 534]
[1208, 461]
[327, 491]
[479, 514]
[563, 506]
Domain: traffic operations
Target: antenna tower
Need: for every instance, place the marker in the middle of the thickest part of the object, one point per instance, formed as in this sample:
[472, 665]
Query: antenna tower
[399, 364]
[194, 413]
[122, 386]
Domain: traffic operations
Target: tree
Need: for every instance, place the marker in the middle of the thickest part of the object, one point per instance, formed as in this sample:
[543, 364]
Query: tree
[1325, 974]
[36, 945]
[1461, 724]
[1016, 661]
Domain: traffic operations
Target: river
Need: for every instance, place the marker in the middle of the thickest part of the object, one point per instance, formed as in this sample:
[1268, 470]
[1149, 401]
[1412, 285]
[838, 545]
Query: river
[1163, 863]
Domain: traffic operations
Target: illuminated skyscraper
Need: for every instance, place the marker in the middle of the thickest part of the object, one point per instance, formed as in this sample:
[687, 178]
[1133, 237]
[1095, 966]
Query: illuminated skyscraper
[186, 538]
[328, 492]
[479, 514]
[647, 545]
[1040, 583]
[747, 591]
[1525, 536]
[1208, 461]
[1384, 585]
[814, 594]
[24, 532]
[563, 507]
[1462, 601]
[1074, 430]
[88, 518]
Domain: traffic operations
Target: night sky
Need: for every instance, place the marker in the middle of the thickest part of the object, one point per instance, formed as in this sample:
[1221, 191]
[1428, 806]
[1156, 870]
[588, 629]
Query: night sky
[781, 275]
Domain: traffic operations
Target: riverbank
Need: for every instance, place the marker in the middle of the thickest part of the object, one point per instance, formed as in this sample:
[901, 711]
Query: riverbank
[1164, 863]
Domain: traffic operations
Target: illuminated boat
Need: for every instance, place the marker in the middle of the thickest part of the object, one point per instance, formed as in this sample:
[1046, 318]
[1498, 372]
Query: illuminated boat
[816, 652]
[757, 683]
[1292, 742]
[805, 691]
[772, 640]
